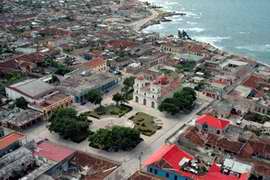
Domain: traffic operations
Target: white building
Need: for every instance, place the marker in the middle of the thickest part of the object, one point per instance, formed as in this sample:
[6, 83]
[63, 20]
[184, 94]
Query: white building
[30, 90]
[150, 92]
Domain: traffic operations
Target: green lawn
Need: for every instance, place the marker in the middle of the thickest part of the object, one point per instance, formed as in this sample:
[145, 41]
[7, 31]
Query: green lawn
[109, 110]
[145, 123]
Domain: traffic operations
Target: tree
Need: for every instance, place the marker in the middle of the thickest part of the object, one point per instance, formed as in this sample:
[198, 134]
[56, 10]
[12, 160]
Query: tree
[69, 125]
[94, 97]
[168, 107]
[128, 87]
[181, 101]
[129, 82]
[117, 138]
[21, 103]
[117, 98]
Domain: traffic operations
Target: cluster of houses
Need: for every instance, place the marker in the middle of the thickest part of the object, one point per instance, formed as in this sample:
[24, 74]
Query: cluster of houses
[29, 160]
[212, 148]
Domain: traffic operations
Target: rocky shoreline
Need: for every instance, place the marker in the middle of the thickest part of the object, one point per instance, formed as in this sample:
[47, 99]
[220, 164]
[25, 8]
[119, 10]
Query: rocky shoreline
[163, 16]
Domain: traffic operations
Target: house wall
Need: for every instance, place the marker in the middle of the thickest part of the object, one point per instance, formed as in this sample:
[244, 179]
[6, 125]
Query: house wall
[210, 129]
[169, 175]
[12, 94]
[10, 148]
[104, 88]
[60, 104]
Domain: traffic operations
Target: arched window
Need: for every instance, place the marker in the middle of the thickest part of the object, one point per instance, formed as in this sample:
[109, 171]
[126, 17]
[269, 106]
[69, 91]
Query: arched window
[136, 98]
[144, 101]
[153, 104]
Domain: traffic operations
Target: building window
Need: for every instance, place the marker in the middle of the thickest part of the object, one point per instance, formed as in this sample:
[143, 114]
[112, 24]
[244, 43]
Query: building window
[151, 170]
[144, 101]
[145, 94]
[155, 172]
[218, 131]
[175, 177]
[137, 99]
[153, 96]
[153, 104]
[167, 175]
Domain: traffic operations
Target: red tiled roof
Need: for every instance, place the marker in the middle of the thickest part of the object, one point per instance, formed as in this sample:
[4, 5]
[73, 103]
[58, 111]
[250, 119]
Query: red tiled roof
[192, 135]
[252, 81]
[231, 146]
[212, 121]
[171, 154]
[95, 62]
[121, 44]
[33, 57]
[214, 173]
[10, 139]
[53, 151]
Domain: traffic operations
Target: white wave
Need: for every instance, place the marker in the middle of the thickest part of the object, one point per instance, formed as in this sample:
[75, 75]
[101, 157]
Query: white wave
[171, 3]
[175, 18]
[190, 14]
[255, 48]
[211, 40]
[195, 29]
[243, 32]
[191, 23]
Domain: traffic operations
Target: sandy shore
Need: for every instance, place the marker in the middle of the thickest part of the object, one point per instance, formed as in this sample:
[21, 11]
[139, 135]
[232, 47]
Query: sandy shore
[142, 23]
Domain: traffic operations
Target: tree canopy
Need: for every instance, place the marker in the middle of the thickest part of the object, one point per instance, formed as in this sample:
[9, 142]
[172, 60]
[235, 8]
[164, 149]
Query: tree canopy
[69, 125]
[129, 82]
[181, 101]
[21, 103]
[128, 89]
[94, 97]
[115, 139]
[118, 98]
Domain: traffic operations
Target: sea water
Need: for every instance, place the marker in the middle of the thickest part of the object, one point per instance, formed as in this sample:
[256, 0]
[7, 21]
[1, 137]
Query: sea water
[238, 26]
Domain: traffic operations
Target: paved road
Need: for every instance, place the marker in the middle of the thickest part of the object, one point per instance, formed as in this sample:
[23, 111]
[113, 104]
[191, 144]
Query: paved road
[130, 162]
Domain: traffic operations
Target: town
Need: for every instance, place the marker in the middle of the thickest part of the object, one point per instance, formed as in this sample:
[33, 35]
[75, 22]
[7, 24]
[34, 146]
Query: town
[86, 95]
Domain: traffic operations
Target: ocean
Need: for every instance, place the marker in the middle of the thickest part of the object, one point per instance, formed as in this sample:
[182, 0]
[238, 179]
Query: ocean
[237, 26]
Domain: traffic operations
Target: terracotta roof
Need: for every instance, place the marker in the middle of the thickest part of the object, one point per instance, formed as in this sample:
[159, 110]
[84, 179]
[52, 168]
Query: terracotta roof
[246, 151]
[212, 121]
[193, 135]
[231, 146]
[212, 139]
[52, 151]
[252, 81]
[121, 44]
[10, 139]
[101, 166]
[139, 175]
[98, 61]
[9, 65]
[33, 57]
[261, 149]
[262, 168]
